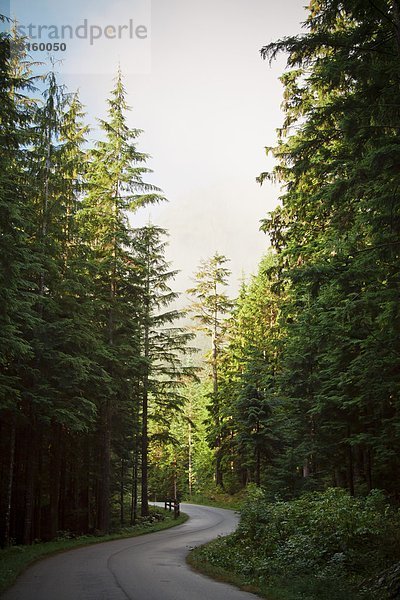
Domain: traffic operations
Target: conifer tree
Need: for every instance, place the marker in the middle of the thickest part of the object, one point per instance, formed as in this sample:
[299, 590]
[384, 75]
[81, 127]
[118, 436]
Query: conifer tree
[247, 374]
[210, 309]
[15, 260]
[115, 187]
[337, 236]
[163, 344]
[73, 363]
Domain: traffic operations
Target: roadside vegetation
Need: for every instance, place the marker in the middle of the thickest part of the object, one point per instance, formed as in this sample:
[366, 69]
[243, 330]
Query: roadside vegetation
[219, 498]
[321, 545]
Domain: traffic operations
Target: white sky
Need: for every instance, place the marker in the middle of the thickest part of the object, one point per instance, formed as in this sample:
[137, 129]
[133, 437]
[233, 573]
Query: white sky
[206, 101]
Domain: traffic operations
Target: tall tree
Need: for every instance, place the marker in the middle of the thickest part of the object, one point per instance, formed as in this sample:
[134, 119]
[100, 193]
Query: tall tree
[247, 374]
[163, 345]
[210, 309]
[83, 332]
[16, 298]
[337, 234]
[115, 187]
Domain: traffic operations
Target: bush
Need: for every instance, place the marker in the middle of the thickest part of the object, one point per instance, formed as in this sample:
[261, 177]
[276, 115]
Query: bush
[323, 539]
[330, 530]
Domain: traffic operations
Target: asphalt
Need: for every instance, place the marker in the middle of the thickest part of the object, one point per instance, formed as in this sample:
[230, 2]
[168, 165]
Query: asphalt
[150, 567]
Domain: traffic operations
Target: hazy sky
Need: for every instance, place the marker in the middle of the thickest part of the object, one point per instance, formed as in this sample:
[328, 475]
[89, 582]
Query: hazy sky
[206, 101]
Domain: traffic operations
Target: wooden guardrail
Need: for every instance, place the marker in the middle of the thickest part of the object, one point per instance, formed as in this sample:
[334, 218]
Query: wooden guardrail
[173, 504]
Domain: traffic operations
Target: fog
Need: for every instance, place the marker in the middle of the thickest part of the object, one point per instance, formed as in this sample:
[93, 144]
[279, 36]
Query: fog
[208, 105]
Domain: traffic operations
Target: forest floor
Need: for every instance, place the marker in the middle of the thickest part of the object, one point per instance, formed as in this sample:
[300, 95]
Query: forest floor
[14, 560]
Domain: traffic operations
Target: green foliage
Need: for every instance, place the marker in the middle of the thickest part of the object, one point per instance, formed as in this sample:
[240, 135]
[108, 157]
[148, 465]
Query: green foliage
[211, 304]
[80, 291]
[336, 236]
[162, 348]
[323, 531]
[331, 541]
[246, 375]
[16, 260]
[210, 310]
[185, 458]
[215, 496]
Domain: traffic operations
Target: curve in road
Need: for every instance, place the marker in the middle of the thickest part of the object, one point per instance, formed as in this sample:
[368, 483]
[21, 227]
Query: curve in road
[150, 567]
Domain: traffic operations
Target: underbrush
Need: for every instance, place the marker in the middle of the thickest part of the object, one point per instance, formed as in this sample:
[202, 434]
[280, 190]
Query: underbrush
[322, 545]
[217, 497]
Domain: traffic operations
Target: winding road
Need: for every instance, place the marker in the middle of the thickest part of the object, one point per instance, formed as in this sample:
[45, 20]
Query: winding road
[149, 567]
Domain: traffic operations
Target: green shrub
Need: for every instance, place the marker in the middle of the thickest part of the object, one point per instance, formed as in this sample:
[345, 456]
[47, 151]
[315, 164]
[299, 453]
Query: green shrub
[322, 540]
[330, 530]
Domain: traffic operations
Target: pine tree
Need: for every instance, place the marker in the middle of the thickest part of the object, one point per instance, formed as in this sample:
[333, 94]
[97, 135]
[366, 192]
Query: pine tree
[115, 186]
[247, 374]
[337, 235]
[163, 346]
[209, 310]
[15, 260]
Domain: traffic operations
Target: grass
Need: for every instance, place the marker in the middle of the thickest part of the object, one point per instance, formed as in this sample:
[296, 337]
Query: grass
[218, 499]
[14, 560]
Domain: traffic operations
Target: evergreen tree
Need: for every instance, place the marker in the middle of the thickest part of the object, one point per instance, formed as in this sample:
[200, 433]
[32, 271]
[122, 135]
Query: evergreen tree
[184, 462]
[209, 310]
[163, 346]
[337, 236]
[115, 186]
[82, 330]
[15, 260]
[247, 375]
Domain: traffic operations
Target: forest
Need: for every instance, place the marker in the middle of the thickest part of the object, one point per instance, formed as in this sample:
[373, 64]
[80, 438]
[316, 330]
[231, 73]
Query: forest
[105, 403]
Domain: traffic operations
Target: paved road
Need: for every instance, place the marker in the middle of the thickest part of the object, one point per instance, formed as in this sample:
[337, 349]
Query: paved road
[150, 567]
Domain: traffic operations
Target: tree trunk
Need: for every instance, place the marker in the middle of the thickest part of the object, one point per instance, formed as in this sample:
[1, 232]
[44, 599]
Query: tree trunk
[218, 470]
[84, 491]
[396, 15]
[175, 482]
[9, 487]
[258, 467]
[121, 493]
[135, 463]
[104, 504]
[145, 398]
[29, 486]
[350, 465]
[104, 495]
[63, 484]
[190, 465]
[145, 447]
[368, 468]
[134, 503]
[55, 479]
[258, 457]
[39, 490]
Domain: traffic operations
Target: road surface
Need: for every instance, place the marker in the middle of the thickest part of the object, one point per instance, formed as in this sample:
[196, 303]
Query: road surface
[149, 567]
